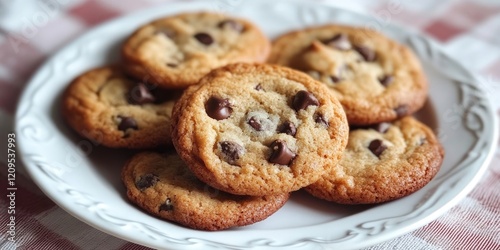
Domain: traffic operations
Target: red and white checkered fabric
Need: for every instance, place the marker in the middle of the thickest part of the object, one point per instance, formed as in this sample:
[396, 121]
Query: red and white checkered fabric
[32, 30]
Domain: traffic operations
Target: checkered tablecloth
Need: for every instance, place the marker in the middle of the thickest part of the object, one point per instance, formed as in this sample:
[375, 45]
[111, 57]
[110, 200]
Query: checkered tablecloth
[31, 30]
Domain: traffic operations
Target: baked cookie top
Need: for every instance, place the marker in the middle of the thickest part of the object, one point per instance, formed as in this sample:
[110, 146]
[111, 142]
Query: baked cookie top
[259, 129]
[375, 78]
[382, 163]
[162, 185]
[176, 51]
[113, 110]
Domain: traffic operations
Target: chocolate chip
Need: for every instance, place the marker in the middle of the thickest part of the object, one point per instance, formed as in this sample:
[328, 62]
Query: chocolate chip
[377, 147]
[288, 128]
[386, 80]
[140, 94]
[422, 141]
[167, 206]
[231, 151]
[335, 79]
[204, 38]
[281, 154]
[127, 123]
[260, 120]
[147, 181]
[255, 123]
[320, 119]
[367, 53]
[218, 108]
[231, 24]
[303, 99]
[258, 87]
[381, 127]
[339, 41]
[401, 110]
[172, 65]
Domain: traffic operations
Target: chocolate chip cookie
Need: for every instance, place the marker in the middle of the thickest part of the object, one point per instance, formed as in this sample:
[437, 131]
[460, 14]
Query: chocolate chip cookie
[375, 78]
[259, 129]
[177, 51]
[162, 185]
[382, 162]
[108, 107]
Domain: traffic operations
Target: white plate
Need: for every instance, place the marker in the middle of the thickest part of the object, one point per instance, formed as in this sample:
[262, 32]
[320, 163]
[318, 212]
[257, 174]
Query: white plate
[84, 178]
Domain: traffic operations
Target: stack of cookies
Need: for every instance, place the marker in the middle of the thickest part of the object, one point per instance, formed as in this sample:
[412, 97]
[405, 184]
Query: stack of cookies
[380, 84]
[243, 123]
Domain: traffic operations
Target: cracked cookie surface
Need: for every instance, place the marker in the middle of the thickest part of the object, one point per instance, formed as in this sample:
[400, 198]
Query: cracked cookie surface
[113, 110]
[162, 185]
[177, 51]
[375, 78]
[259, 129]
[382, 163]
